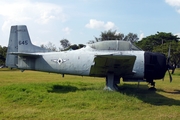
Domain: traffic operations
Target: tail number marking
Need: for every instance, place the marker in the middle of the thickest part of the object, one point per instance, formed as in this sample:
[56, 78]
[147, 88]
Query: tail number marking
[23, 42]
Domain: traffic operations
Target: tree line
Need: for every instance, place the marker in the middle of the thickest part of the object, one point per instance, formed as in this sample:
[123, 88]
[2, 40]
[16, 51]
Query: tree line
[106, 35]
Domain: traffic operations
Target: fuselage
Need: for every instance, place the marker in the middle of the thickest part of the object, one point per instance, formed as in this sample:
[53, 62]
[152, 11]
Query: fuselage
[79, 62]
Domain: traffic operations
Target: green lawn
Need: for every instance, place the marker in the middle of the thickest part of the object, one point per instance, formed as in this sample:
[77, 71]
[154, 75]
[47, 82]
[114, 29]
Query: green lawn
[48, 96]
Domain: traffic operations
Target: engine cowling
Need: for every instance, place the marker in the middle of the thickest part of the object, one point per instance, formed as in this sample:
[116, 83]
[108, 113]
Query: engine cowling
[155, 65]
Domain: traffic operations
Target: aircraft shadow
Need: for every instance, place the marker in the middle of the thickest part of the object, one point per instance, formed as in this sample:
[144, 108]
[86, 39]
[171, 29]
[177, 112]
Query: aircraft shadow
[148, 96]
[67, 88]
[141, 92]
[175, 92]
[8, 69]
[62, 89]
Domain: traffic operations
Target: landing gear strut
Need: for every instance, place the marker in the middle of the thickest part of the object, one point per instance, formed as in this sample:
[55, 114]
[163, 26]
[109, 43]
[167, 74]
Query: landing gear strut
[111, 82]
[152, 83]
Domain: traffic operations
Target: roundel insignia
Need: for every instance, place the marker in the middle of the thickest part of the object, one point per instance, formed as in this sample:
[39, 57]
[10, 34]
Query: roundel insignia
[60, 61]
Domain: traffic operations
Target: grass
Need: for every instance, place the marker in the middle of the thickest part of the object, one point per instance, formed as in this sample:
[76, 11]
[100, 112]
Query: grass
[39, 95]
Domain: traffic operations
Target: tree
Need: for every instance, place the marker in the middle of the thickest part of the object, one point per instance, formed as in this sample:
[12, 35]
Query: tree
[91, 42]
[49, 46]
[110, 35]
[113, 35]
[65, 43]
[43, 46]
[148, 43]
[131, 37]
[2, 59]
[3, 51]
[174, 52]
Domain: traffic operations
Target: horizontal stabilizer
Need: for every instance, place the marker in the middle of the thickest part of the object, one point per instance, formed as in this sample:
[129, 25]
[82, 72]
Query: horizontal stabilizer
[21, 54]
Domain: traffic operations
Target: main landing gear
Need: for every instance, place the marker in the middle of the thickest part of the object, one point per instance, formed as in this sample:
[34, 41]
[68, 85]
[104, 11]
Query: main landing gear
[111, 82]
[152, 83]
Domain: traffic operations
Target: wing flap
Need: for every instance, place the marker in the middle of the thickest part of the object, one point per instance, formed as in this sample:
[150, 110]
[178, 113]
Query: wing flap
[118, 64]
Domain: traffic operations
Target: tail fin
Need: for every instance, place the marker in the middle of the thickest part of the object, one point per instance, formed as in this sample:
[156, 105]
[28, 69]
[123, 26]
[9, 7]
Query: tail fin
[19, 42]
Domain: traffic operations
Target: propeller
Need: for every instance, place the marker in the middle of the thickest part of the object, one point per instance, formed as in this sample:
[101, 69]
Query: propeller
[168, 64]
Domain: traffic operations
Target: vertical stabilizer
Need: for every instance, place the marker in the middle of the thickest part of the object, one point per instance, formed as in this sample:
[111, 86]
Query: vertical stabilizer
[20, 42]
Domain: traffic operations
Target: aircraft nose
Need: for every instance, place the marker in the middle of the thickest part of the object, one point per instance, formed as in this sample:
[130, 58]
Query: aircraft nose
[155, 65]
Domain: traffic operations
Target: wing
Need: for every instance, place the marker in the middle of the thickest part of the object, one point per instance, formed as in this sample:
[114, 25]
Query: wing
[118, 64]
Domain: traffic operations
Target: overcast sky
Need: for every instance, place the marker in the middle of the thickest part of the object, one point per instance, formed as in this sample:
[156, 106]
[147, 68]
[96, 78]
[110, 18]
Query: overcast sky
[81, 20]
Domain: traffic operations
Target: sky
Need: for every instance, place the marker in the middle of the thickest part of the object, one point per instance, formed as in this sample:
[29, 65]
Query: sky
[80, 21]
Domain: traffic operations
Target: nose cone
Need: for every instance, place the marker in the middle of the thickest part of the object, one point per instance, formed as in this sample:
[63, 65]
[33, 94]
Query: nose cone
[155, 65]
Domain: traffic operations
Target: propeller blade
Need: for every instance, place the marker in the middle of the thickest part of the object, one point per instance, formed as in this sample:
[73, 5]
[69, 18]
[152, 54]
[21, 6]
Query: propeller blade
[169, 52]
[170, 77]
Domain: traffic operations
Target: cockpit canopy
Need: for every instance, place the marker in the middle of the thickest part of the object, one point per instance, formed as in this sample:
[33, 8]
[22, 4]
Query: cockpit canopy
[114, 45]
